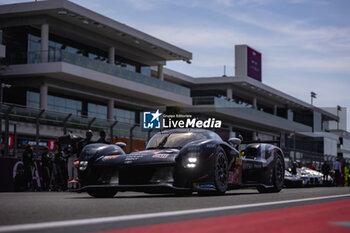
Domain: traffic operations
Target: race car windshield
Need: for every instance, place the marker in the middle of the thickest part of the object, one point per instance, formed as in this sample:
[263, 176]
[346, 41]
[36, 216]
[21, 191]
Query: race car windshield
[173, 140]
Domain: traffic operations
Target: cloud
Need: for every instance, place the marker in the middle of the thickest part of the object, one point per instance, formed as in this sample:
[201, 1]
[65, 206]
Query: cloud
[211, 37]
[321, 2]
[237, 3]
[315, 64]
[213, 41]
[143, 5]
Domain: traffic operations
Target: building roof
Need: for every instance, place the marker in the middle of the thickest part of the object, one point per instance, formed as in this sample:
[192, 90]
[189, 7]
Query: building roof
[248, 85]
[71, 13]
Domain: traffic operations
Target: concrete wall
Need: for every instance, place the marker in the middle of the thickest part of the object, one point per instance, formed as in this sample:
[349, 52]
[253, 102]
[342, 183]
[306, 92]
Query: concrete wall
[342, 116]
[2, 51]
[330, 146]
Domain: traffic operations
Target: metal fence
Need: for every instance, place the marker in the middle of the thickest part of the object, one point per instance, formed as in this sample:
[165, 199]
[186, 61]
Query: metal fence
[13, 114]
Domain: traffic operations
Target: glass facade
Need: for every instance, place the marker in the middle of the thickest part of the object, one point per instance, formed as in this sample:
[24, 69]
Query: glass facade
[55, 103]
[60, 104]
[98, 111]
[146, 70]
[55, 47]
[33, 99]
[33, 43]
[34, 48]
[66, 105]
[124, 116]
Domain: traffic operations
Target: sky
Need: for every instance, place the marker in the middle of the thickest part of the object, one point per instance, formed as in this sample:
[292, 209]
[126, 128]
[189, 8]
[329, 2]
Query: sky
[305, 44]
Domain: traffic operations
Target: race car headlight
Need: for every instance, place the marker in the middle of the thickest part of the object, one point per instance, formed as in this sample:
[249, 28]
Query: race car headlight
[191, 160]
[83, 165]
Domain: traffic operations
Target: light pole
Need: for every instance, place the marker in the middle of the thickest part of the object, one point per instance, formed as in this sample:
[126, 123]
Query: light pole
[2, 86]
[338, 110]
[313, 96]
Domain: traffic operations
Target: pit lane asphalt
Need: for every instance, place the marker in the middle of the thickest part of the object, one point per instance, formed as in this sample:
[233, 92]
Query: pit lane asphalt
[38, 207]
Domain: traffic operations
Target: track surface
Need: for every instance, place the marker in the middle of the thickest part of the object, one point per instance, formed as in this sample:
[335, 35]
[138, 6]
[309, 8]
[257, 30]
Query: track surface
[326, 209]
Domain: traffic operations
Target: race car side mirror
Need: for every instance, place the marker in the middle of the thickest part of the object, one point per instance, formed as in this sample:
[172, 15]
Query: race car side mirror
[121, 144]
[235, 141]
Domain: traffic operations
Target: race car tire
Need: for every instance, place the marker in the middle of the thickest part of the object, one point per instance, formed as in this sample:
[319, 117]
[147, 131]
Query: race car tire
[278, 178]
[221, 171]
[102, 193]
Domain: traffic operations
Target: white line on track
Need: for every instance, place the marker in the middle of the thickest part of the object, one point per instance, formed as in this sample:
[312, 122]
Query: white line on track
[89, 221]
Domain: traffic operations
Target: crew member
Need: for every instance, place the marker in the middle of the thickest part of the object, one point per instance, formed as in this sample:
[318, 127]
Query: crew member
[46, 166]
[102, 138]
[337, 171]
[28, 162]
[86, 141]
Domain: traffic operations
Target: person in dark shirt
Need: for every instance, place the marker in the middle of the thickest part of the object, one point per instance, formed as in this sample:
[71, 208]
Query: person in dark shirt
[325, 170]
[294, 168]
[46, 166]
[28, 163]
[57, 178]
[102, 138]
[337, 172]
[86, 141]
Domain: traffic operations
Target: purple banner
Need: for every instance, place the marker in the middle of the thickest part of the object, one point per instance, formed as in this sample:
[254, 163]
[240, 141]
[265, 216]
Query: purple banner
[254, 64]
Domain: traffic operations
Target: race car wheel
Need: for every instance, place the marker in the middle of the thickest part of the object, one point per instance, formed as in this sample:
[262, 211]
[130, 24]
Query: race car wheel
[221, 171]
[102, 193]
[278, 178]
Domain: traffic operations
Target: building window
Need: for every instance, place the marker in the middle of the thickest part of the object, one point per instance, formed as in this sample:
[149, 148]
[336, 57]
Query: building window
[98, 111]
[145, 70]
[60, 104]
[55, 103]
[33, 99]
[0, 36]
[124, 116]
[33, 49]
[33, 43]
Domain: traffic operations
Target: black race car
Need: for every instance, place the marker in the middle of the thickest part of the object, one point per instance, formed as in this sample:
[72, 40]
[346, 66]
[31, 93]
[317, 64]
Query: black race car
[181, 161]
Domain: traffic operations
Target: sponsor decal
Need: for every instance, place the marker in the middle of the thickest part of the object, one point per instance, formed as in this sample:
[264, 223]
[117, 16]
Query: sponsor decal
[210, 145]
[210, 186]
[153, 120]
[133, 157]
[160, 156]
[109, 157]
